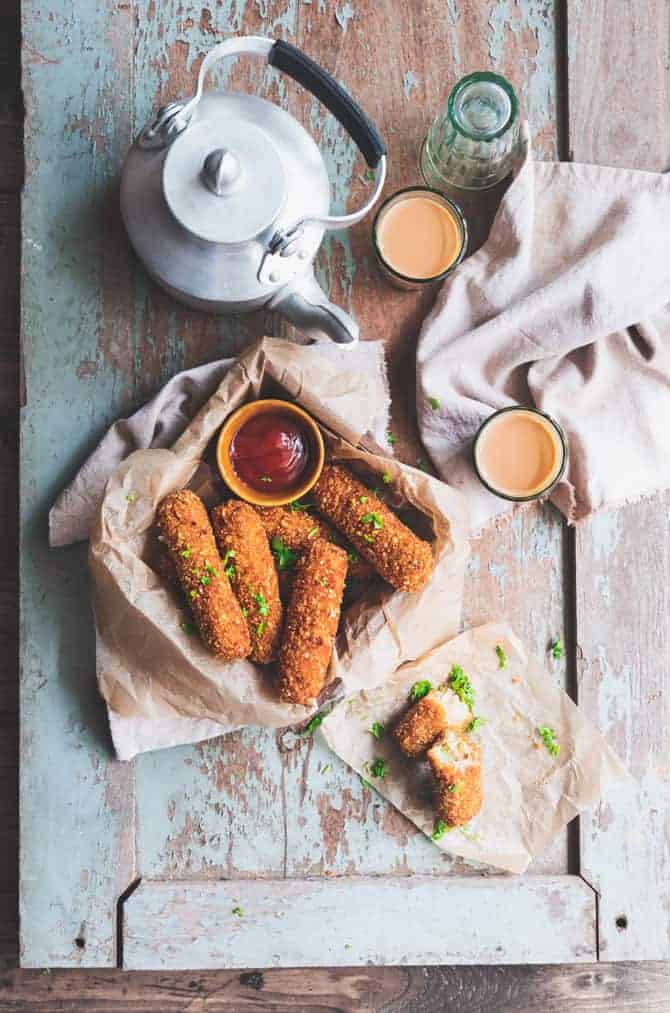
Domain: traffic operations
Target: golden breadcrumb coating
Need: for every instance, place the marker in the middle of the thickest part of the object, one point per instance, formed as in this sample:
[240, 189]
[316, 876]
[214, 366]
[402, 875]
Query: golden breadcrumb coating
[400, 556]
[311, 624]
[244, 549]
[430, 718]
[161, 561]
[297, 528]
[456, 762]
[187, 533]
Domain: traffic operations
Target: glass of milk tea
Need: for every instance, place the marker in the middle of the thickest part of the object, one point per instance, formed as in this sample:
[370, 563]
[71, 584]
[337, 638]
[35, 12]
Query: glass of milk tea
[520, 454]
[419, 237]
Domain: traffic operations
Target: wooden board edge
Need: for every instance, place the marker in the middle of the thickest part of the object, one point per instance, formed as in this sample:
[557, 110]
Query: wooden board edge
[351, 921]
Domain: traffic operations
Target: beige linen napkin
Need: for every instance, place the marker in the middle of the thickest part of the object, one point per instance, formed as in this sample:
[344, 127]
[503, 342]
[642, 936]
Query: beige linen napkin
[566, 307]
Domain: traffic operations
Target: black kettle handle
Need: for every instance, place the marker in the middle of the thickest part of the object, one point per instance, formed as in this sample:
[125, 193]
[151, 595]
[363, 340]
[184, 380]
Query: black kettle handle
[310, 75]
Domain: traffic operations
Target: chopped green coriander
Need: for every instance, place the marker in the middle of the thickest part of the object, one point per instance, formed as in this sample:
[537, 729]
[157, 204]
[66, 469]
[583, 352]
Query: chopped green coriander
[374, 519]
[296, 506]
[245, 612]
[230, 572]
[440, 829]
[188, 628]
[379, 767]
[391, 439]
[238, 911]
[548, 736]
[386, 478]
[366, 784]
[370, 175]
[230, 554]
[211, 571]
[131, 497]
[419, 690]
[205, 580]
[265, 478]
[313, 724]
[286, 558]
[434, 404]
[556, 649]
[362, 499]
[193, 594]
[475, 724]
[263, 607]
[353, 556]
[502, 657]
[461, 685]
[454, 788]
[261, 628]
[368, 538]
[312, 533]
[185, 553]
[422, 464]
[325, 767]
[377, 730]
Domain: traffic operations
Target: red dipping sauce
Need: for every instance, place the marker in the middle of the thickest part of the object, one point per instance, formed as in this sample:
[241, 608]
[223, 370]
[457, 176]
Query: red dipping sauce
[271, 451]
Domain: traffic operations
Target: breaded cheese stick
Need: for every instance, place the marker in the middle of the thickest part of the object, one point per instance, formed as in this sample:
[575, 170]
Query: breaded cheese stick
[402, 558]
[311, 624]
[186, 531]
[428, 719]
[248, 563]
[456, 762]
[297, 528]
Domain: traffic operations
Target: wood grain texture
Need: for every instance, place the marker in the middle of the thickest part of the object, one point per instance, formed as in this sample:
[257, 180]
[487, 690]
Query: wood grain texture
[619, 92]
[397, 921]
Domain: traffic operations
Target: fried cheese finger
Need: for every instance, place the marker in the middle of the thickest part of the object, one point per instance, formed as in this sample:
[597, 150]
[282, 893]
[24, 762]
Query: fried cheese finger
[248, 563]
[311, 624]
[399, 556]
[429, 719]
[297, 528]
[187, 533]
[456, 762]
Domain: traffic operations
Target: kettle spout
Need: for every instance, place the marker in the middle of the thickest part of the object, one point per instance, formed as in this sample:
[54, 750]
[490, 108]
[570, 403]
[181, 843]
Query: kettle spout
[305, 305]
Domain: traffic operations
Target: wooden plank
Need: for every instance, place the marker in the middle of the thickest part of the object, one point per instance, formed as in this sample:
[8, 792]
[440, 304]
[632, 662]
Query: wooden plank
[619, 87]
[418, 919]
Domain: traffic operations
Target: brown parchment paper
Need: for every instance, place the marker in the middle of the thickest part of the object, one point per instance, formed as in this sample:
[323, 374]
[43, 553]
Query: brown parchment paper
[529, 796]
[161, 685]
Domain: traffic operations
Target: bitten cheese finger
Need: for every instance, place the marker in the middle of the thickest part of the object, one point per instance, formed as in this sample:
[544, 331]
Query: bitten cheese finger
[456, 763]
[297, 528]
[248, 563]
[311, 624]
[428, 719]
[400, 556]
[187, 533]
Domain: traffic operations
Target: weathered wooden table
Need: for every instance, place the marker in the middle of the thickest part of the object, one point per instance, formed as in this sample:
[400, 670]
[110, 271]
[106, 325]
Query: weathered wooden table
[114, 857]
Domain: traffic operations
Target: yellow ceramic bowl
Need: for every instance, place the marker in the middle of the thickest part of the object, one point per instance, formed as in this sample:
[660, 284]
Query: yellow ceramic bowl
[234, 423]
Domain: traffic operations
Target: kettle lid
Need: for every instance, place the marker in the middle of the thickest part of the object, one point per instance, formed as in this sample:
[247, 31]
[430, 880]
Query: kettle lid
[223, 180]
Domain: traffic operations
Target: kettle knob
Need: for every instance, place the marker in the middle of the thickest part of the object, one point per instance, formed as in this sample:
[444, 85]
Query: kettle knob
[221, 171]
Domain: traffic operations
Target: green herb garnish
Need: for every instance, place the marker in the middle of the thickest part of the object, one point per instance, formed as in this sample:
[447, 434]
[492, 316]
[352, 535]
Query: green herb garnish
[556, 649]
[366, 784]
[312, 532]
[352, 556]
[548, 736]
[238, 911]
[263, 607]
[245, 612]
[296, 506]
[370, 175]
[377, 730]
[230, 572]
[131, 497]
[421, 464]
[419, 690]
[475, 724]
[461, 685]
[434, 404]
[325, 767]
[286, 558]
[386, 478]
[379, 768]
[193, 594]
[368, 538]
[441, 828]
[189, 628]
[373, 519]
[362, 499]
[313, 724]
[185, 553]
[502, 657]
[391, 439]
[205, 580]
[454, 788]
[261, 628]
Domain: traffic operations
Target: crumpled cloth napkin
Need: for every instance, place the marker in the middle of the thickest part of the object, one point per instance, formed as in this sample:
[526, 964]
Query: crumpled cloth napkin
[566, 307]
[162, 420]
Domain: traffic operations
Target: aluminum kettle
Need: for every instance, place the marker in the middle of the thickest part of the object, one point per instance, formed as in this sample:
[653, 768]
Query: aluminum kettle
[226, 197]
